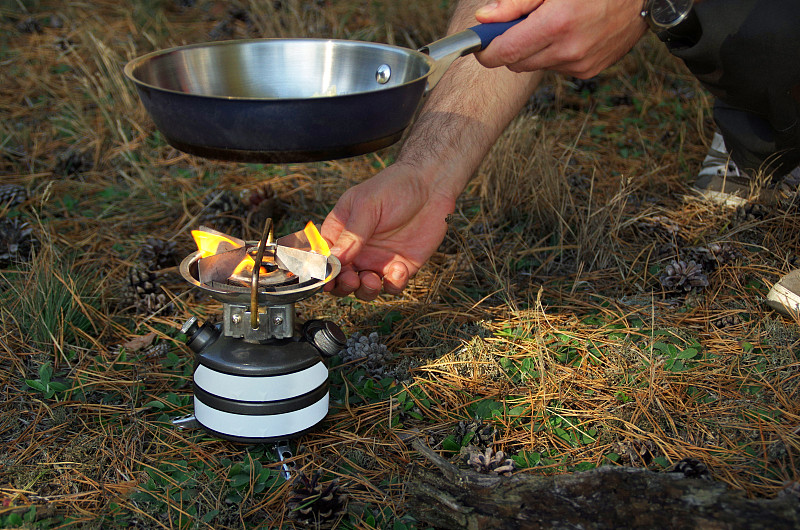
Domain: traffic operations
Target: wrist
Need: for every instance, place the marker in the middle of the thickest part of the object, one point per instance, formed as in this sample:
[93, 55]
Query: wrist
[433, 175]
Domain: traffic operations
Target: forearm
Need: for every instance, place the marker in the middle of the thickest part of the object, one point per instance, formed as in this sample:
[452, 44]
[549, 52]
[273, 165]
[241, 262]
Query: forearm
[464, 115]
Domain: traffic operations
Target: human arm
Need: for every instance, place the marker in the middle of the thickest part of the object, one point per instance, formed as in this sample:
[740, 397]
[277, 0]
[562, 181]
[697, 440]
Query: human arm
[385, 229]
[575, 37]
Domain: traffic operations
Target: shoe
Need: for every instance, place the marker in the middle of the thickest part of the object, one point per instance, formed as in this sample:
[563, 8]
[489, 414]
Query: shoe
[720, 180]
[784, 296]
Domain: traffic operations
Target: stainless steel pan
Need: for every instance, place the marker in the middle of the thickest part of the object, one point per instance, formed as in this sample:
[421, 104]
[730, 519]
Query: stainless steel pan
[292, 100]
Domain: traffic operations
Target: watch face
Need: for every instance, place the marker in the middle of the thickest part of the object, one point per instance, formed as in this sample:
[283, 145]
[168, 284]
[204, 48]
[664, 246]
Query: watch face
[668, 13]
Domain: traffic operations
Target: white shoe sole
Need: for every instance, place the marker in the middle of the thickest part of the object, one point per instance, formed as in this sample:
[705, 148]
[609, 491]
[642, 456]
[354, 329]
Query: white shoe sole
[721, 198]
[783, 300]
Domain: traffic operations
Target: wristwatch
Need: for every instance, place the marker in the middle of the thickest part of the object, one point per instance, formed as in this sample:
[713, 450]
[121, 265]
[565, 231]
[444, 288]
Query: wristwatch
[663, 15]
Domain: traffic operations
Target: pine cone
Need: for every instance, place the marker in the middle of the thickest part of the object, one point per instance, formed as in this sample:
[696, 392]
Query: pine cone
[261, 203]
[237, 23]
[751, 212]
[12, 194]
[542, 100]
[670, 248]
[724, 253]
[314, 503]
[691, 468]
[791, 488]
[144, 293]
[157, 350]
[29, 25]
[579, 181]
[157, 254]
[665, 233]
[73, 162]
[635, 452]
[489, 461]
[255, 196]
[659, 226]
[714, 255]
[223, 211]
[621, 100]
[728, 320]
[787, 189]
[17, 241]
[585, 85]
[682, 276]
[369, 350]
[482, 434]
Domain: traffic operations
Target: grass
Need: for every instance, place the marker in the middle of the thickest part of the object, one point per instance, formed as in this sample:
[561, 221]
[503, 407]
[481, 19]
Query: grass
[54, 300]
[542, 314]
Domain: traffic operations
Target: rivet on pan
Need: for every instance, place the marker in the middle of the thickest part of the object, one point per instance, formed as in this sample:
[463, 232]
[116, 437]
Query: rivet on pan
[383, 74]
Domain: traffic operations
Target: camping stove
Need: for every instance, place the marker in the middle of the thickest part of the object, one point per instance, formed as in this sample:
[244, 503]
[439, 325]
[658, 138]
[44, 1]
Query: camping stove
[256, 379]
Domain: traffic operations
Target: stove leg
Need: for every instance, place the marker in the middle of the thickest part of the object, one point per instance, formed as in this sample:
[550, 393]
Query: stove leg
[284, 453]
[186, 422]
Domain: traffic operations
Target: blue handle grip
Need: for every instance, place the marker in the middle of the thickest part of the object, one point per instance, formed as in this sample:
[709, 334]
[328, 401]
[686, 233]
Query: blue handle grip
[488, 32]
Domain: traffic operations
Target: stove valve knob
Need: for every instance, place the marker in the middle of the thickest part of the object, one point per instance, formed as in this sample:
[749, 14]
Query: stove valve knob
[326, 336]
[198, 337]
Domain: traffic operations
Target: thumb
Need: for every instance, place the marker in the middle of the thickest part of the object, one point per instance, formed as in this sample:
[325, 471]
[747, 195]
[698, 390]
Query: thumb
[505, 10]
[350, 241]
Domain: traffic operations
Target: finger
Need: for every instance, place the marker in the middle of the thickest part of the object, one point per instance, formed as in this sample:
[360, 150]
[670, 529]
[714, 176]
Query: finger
[370, 286]
[396, 278]
[331, 285]
[345, 283]
[522, 42]
[332, 226]
[586, 67]
[358, 229]
[544, 59]
[505, 10]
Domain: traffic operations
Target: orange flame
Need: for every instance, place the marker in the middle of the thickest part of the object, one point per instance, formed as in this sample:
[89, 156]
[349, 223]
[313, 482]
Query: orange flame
[246, 266]
[208, 244]
[317, 242]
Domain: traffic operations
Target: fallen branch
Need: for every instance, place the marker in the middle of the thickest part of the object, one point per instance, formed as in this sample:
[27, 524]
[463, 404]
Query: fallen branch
[607, 497]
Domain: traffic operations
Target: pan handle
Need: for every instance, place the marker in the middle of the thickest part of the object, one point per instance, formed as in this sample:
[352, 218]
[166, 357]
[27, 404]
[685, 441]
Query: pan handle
[445, 51]
[488, 32]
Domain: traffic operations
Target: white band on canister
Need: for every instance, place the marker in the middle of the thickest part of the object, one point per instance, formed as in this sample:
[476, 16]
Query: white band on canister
[260, 388]
[262, 426]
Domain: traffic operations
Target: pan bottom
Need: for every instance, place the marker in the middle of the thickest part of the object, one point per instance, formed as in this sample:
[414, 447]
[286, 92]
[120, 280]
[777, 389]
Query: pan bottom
[284, 156]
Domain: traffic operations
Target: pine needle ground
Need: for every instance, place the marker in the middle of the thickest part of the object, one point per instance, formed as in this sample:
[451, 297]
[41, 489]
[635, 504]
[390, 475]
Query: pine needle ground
[542, 317]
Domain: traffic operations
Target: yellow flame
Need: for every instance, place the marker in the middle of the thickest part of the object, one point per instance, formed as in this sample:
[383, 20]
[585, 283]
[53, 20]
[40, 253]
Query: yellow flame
[208, 244]
[317, 242]
[246, 265]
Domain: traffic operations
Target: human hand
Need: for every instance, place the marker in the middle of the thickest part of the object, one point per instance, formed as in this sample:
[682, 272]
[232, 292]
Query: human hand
[383, 230]
[574, 37]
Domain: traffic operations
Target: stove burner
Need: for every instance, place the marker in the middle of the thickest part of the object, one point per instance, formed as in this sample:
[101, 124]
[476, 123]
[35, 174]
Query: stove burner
[271, 274]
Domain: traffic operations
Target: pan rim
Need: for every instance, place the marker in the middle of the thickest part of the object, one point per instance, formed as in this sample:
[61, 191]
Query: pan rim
[133, 64]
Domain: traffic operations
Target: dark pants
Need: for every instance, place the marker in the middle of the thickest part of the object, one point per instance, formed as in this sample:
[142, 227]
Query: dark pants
[747, 54]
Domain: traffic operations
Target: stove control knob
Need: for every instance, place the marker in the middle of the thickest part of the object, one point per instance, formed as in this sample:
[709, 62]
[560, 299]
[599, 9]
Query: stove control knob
[190, 326]
[198, 337]
[326, 336]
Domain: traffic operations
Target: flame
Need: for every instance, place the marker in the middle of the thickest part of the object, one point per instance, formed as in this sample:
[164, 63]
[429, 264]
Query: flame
[246, 265]
[208, 244]
[211, 244]
[317, 242]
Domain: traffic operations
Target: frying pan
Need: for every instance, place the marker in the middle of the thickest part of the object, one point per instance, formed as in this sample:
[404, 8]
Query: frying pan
[293, 100]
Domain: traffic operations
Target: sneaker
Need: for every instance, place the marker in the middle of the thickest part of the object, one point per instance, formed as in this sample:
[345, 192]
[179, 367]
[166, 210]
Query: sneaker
[784, 296]
[720, 180]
